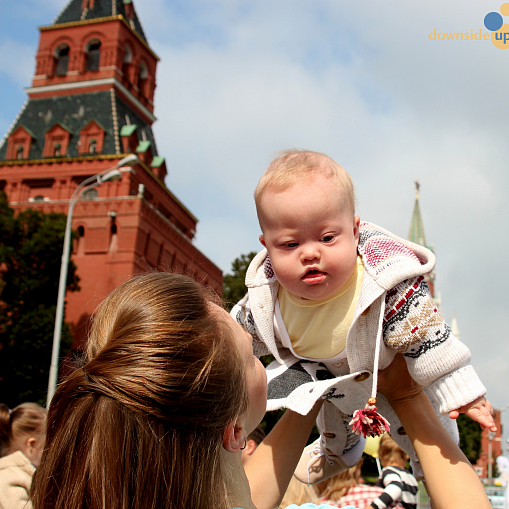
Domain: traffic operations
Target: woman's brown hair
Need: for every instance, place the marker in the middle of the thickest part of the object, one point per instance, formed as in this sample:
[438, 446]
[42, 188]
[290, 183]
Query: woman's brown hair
[141, 426]
[25, 419]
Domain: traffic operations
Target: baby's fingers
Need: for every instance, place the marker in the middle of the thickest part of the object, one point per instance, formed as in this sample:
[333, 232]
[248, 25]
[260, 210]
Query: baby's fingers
[454, 414]
[484, 418]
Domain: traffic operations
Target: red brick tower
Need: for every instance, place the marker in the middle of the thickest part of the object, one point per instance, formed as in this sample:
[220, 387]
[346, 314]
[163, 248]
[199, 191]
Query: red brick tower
[91, 104]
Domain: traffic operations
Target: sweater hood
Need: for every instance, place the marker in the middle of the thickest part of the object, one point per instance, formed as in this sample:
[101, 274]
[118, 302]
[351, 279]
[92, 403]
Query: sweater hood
[387, 258]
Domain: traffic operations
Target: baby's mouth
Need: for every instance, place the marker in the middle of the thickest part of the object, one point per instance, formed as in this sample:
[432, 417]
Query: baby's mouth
[314, 276]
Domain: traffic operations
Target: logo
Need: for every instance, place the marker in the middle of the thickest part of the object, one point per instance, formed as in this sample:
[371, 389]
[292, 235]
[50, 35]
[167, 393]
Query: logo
[494, 22]
[498, 31]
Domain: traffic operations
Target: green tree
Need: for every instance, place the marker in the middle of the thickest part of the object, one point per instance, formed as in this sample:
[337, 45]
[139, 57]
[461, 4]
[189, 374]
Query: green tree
[470, 437]
[234, 286]
[30, 256]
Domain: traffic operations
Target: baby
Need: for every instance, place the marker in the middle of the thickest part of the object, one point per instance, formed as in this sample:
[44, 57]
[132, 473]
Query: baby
[333, 300]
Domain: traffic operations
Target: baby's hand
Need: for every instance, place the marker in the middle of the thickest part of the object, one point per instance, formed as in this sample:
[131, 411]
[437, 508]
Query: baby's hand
[479, 410]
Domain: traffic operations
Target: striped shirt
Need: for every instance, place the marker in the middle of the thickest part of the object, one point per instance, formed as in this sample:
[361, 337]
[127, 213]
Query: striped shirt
[400, 486]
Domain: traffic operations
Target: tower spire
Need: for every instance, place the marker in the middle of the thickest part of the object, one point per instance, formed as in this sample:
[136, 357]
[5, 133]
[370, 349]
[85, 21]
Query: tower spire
[416, 235]
[416, 232]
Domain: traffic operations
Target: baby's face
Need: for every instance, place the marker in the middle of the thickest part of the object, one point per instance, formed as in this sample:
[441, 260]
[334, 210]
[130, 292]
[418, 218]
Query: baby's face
[311, 237]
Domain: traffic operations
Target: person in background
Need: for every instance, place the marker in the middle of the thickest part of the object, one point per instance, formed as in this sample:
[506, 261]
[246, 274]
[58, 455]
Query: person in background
[398, 483]
[254, 439]
[22, 436]
[345, 489]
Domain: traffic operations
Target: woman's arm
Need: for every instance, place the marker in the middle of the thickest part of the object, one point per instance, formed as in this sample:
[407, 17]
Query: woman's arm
[450, 479]
[272, 464]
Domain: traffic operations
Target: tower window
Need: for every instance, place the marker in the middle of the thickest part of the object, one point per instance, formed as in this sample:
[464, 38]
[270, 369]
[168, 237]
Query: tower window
[142, 77]
[93, 56]
[126, 62]
[81, 231]
[91, 194]
[92, 147]
[57, 150]
[19, 152]
[62, 60]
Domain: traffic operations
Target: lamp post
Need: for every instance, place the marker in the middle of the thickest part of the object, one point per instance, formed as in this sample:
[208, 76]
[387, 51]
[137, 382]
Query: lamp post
[112, 173]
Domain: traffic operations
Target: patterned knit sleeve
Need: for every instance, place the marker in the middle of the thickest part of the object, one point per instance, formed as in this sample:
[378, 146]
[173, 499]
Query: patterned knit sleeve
[436, 359]
[242, 314]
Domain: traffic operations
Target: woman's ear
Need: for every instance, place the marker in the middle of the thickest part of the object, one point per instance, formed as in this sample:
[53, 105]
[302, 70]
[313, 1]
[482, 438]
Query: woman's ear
[234, 438]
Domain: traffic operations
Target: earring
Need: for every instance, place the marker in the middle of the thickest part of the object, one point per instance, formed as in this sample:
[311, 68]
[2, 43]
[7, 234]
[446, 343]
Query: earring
[245, 444]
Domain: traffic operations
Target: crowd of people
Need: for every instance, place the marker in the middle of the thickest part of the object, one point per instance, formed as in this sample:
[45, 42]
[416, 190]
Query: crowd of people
[162, 410]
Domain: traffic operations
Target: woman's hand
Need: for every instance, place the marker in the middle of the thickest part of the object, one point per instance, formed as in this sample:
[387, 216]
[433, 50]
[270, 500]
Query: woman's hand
[395, 382]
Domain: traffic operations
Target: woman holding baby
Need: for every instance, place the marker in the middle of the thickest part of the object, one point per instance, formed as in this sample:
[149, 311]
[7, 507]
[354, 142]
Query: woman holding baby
[159, 413]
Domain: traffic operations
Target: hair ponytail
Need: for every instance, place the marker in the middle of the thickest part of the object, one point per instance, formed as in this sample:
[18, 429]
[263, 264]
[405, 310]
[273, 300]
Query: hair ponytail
[5, 429]
[25, 419]
[141, 424]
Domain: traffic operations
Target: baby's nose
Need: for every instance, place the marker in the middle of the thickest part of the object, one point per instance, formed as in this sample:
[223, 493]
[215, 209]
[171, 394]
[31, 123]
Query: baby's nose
[310, 252]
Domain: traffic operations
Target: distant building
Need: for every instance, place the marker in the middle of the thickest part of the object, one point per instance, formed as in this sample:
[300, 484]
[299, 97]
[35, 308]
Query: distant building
[490, 441]
[91, 104]
[416, 234]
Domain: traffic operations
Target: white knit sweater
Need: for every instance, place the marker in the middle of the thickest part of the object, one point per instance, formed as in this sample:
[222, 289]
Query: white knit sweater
[394, 311]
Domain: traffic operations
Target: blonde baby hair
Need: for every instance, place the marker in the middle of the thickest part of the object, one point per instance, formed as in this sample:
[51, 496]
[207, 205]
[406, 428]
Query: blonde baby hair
[295, 166]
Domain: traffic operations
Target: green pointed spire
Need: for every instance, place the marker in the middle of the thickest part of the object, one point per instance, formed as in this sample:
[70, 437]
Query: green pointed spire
[416, 232]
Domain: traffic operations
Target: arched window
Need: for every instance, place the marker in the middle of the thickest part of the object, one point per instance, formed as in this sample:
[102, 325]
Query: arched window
[19, 152]
[93, 55]
[142, 77]
[81, 231]
[57, 149]
[62, 58]
[91, 194]
[92, 146]
[39, 198]
[126, 62]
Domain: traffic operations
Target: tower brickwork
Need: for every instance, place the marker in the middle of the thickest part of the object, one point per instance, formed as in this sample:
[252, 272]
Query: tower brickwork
[91, 104]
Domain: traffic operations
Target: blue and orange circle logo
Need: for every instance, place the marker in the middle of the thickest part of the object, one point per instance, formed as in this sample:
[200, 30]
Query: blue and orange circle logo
[494, 22]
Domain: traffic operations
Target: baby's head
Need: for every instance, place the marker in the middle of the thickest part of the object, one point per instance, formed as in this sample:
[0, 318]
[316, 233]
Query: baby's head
[306, 208]
[297, 167]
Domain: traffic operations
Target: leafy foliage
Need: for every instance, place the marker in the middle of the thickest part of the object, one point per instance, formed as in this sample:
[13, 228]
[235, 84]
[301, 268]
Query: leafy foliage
[234, 287]
[30, 257]
[470, 437]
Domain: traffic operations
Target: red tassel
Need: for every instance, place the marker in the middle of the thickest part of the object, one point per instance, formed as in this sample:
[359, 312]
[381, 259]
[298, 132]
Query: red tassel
[368, 421]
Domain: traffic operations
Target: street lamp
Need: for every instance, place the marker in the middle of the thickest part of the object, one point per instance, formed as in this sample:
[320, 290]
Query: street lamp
[112, 173]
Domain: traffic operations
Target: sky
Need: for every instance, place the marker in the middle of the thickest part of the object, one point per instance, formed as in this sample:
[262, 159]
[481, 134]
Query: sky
[363, 82]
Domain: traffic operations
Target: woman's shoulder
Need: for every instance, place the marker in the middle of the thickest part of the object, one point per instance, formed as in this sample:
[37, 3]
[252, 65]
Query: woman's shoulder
[311, 506]
[314, 506]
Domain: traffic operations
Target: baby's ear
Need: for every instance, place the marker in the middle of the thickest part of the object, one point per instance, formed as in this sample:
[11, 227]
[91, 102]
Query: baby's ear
[261, 238]
[356, 225]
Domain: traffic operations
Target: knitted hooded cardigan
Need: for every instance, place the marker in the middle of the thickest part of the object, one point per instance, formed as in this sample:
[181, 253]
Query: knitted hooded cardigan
[394, 313]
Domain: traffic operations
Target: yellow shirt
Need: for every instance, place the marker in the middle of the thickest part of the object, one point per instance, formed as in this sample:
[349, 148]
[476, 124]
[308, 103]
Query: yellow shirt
[318, 328]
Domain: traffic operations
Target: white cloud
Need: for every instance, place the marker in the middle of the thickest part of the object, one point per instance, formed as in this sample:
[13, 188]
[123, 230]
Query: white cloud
[362, 82]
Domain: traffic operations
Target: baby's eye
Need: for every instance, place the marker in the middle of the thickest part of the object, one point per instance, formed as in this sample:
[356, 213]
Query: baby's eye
[291, 244]
[327, 238]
